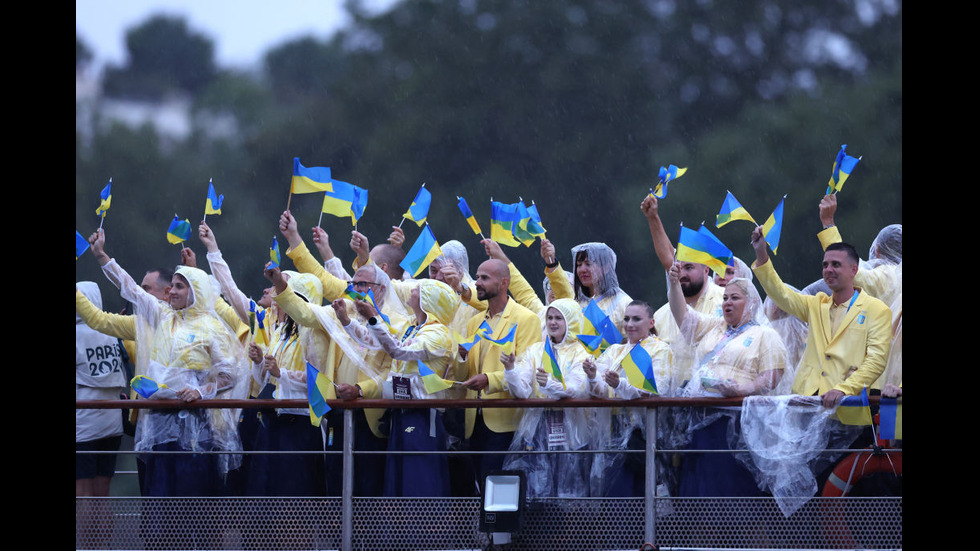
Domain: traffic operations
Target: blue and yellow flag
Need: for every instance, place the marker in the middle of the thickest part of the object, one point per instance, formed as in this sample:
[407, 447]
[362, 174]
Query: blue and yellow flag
[359, 204]
[596, 322]
[310, 179]
[317, 388]
[550, 362]
[773, 228]
[260, 335]
[890, 418]
[467, 342]
[534, 226]
[425, 250]
[431, 380]
[212, 205]
[639, 369]
[274, 254]
[731, 209]
[105, 200]
[697, 247]
[592, 343]
[369, 298]
[81, 244]
[418, 211]
[526, 229]
[667, 174]
[339, 201]
[855, 410]
[144, 386]
[468, 215]
[503, 218]
[179, 230]
[506, 342]
[843, 165]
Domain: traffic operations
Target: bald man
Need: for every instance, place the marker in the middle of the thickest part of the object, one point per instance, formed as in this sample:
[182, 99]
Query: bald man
[492, 429]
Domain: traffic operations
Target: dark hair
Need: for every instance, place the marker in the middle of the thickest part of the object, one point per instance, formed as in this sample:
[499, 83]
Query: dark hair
[650, 312]
[849, 249]
[165, 275]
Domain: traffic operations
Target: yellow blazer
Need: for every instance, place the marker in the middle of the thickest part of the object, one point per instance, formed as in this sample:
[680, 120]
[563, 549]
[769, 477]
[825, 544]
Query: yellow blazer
[528, 332]
[847, 360]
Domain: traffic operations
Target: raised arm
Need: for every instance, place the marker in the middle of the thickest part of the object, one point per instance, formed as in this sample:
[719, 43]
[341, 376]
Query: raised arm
[661, 243]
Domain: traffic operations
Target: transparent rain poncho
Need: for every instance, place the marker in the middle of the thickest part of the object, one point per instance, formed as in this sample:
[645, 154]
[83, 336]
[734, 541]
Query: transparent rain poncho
[553, 475]
[455, 253]
[784, 437]
[431, 342]
[625, 428]
[605, 288]
[887, 246]
[191, 347]
[793, 331]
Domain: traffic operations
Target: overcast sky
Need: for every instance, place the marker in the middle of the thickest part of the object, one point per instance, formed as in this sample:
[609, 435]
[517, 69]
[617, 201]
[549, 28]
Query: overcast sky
[242, 30]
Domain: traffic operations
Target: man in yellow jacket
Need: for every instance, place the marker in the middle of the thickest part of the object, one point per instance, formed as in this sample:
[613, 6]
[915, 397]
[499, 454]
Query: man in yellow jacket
[849, 332]
[493, 428]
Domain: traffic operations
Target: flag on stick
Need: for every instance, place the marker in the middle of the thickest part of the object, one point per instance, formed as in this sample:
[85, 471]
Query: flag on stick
[179, 230]
[317, 387]
[418, 211]
[431, 380]
[731, 209]
[773, 228]
[855, 410]
[425, 250]
[212, 205]
[667, 175]
[843, 166]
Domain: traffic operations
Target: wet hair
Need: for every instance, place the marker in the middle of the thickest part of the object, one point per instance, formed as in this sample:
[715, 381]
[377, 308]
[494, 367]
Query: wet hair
[650, 312]
[848, 249]
[165, 275]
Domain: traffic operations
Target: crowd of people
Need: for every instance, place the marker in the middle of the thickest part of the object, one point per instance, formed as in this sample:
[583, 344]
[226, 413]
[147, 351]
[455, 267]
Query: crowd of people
[197, 336]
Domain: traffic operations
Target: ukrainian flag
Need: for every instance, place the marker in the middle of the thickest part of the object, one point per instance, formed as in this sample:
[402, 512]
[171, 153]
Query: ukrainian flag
[592, 343]
[81, 244]
[731, 209]
[425, 250]
[317, 388]
[433, 382]
[773, 228]
[260, 335]
[534, 226]
[697, 247]
[550, 362]
[106, 199]
[843, 165]
[522, 229]
[359, 204]
[506, 342]
[468, 215]
[855, 410]
[179, 230]
[418, 211]
[467, 343]
[213, 203]
[274, 255]
[144, 386]
[503, 218]
[667, 174]
[596, 322]
[639, 369]
[339, 201]
[890, 418]
[310, 180]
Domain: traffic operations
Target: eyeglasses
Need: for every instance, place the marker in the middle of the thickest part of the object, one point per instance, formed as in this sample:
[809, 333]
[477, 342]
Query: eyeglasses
[362, 283]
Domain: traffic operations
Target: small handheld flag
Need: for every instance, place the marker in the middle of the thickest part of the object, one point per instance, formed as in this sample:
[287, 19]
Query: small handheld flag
[418, 211]
[592, 343]
[639, 369]
[596, 322]
[843, 165]
[317, 387]
[212, 205]
[890, 417]
[503, 217]
[425, 250]
[773, 228]
[274, 255]
[179, 230]
[855, 410]
[506, 342]
[731, 209]
[144, 386]
[550, 362]
[105, 200]
[667, 174]
[339, 200]
[468, 215]
[309, 179]
[467, 343]
[432, 381]
[359, 204]
[81, 244]
[259, 334]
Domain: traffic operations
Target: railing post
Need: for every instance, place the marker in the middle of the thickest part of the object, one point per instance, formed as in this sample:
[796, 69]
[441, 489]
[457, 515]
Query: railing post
[347, 506]
[650, 501]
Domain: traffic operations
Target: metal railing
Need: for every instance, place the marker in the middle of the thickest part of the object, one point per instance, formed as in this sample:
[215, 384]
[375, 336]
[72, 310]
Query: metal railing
[351, 522]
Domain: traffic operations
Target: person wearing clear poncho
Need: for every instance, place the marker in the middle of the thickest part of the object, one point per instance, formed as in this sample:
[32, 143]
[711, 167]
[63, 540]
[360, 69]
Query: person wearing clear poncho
[184, 345]
[737, 355]
[595, 279]
[551, 429]
[617, 474]
[428, 343]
